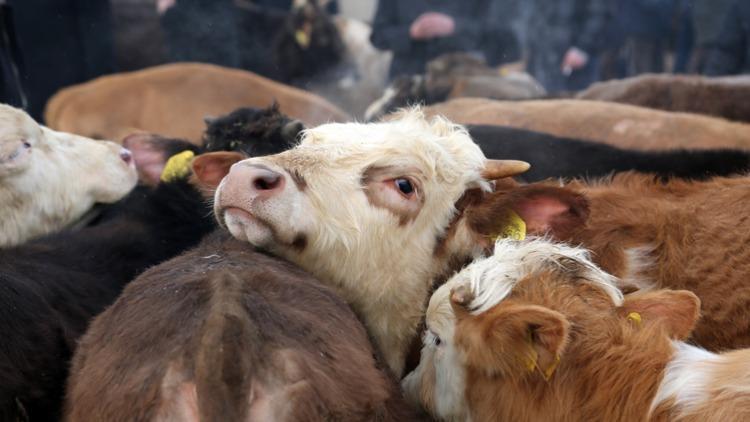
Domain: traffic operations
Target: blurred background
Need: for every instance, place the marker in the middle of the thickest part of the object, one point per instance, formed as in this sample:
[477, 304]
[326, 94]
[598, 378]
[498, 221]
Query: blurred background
[349, 51]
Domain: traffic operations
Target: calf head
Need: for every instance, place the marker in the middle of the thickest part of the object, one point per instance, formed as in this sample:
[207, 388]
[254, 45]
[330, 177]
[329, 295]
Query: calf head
[368, 209]
[49, 179]
[252, 131]
[508, 330]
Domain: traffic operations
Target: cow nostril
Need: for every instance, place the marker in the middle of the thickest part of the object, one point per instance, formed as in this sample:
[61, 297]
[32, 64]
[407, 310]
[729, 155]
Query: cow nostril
[267, 182]
[126, 155]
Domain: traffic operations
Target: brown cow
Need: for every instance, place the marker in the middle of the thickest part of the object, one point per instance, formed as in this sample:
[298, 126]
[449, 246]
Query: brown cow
[537, 332]
[224, 333]
[173, 99]
[621, 125]
[380, 211]
[720, 97]
[454, 75]
[678, 235]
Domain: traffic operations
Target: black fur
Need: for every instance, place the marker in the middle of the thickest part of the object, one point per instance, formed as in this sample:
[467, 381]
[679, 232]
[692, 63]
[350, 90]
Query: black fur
[52, 286]
[252, 131]
[298, 64]
[552, 156]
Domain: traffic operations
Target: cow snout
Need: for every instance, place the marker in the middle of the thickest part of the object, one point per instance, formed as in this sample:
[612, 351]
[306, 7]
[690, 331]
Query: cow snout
[260, 180]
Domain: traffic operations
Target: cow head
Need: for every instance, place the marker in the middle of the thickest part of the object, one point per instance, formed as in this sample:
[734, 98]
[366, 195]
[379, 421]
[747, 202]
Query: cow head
[48, 178]
[252, 131]
[372, 209]
[503, 326]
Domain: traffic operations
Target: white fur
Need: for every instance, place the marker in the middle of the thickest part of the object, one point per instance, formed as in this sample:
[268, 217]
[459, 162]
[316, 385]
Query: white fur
[686, 378]
[491, 279]
[62, 177]
[637, 261]
[380, 266]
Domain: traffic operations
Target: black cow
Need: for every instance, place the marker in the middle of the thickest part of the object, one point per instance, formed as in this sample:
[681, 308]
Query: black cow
[252, 131]
[552, 156]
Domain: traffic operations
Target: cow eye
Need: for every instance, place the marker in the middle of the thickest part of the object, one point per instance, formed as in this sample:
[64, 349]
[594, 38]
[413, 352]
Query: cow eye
[405, 186]
[26, 144]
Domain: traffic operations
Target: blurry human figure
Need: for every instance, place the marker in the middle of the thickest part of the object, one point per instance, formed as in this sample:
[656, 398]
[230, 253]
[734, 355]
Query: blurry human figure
[138, 36]
[420, 30]
[11, 89]
[641, 35]
[200, 31]
[730, 54]
[707, 18]
[564, 38]
[63, 42]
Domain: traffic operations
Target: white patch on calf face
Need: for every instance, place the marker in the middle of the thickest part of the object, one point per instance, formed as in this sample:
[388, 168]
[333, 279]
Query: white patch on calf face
[490, 280]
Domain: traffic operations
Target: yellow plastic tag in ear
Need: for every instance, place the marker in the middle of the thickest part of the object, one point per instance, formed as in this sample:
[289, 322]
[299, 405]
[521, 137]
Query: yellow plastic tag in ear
[515, 228]
[177, 166]
[635, 317]
[551, 370]
[530, 361]
[302, 39]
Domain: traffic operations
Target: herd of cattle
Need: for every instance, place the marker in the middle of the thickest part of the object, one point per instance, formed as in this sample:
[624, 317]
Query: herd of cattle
[547, 259]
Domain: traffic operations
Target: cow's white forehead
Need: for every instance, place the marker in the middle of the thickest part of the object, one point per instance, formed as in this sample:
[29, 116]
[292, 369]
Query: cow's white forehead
[16, 124]
[441, 149]
[492, 279]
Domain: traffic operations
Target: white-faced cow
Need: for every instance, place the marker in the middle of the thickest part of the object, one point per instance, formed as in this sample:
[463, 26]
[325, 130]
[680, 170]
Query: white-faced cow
[367, 209]
[49, 179]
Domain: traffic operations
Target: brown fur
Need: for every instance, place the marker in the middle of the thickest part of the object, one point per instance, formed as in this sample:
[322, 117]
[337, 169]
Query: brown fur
[719, 97]
[699, 233]
[621, 125]
[173, 99]
[609, 368]
[223, 333]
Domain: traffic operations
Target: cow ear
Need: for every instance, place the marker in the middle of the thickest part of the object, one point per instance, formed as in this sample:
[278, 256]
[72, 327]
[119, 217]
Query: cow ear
[677, 310]
[290, 131]
[152, 152]
[211, 167]
[532, 339]
[545, 210]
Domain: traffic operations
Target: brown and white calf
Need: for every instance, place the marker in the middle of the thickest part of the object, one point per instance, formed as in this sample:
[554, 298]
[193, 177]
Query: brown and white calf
[365, 208]
[538, 332]
[651, 234]
[382, 211]
[49, 179]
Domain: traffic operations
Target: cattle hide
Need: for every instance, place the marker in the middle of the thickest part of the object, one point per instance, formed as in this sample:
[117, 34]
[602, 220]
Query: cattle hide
[620, 125]
[719, 97]
[226, 333]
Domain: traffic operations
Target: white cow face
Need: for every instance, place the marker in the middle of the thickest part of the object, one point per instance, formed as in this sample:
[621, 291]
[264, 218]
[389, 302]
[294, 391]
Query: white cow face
[362, 206]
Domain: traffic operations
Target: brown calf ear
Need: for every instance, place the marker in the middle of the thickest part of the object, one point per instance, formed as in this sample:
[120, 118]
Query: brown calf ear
[677, 310]
[532, 339]
[211, 167]
[552, 210]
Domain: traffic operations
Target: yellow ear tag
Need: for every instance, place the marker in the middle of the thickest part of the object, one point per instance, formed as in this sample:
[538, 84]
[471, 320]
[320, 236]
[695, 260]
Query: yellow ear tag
[177, 166]
[302, 39]
[635, 317]
[551, 370]
[529, 361]
[515, 228]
